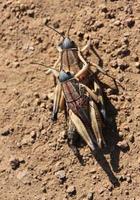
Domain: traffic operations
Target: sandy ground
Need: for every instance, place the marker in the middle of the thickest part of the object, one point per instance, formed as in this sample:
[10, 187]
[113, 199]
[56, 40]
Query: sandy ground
[35, 160]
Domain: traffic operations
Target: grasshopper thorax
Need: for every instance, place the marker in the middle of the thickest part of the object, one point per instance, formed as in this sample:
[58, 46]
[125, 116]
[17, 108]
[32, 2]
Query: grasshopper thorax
[64, 76]
[67, 44]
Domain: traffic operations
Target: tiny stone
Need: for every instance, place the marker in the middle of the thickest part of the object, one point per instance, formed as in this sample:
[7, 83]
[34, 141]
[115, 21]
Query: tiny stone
[71, 190]
[123, 145]
[50, 95]
[43, 132]
[131, 138]
[130, 22]
[46, 20]
[101, 190]
[31, 48]
[114, 64]
[43, 105]
[16, 64]
[123, 65]
[128, 179]
[56, 25]
[103, 8]
[15, 163]
[44, 189]
[109, 91]
[63, 134]
[90, 196]
[120, 134]
[137, 65]
[80, 34]
[135, 57]
[18, 145]
[61, 175]
[36, 94]
[37, 102]
[22, 7]
[32, 6]
[117, 23]
[122, 178]
[27, 140]
[126, 192]
[44, 96]
[98, 24]
[33, 134]
[30, 13]
[5, 132]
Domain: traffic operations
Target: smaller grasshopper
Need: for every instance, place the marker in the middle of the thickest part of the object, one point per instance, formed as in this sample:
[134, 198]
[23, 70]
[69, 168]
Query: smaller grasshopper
[82, 109]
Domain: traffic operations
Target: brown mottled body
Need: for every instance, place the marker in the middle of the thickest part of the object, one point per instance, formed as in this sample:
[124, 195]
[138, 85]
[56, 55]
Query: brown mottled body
[83, 112]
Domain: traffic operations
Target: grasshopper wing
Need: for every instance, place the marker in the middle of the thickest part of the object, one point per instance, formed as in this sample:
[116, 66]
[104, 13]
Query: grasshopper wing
[82, 130]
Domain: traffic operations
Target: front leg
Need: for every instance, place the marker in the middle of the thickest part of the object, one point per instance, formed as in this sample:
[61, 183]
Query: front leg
[87, 46]
[55, 65]
[84, 68]
[56, 103]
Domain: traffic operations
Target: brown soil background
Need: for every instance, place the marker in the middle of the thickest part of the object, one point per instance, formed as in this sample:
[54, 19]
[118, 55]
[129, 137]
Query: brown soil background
[40, 147]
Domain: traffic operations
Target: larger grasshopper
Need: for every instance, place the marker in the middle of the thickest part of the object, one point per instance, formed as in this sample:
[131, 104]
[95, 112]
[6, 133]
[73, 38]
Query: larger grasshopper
[82, 109]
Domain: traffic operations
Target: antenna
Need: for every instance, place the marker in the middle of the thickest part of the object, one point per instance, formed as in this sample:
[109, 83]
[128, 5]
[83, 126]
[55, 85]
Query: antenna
[35, 63]
[55, 31]
[70, 26]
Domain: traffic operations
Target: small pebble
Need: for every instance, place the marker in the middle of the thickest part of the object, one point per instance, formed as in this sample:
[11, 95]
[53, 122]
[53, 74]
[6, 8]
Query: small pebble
[14, 163]
[33, 134]
[103, 8]
[137, 65]
[44, 96]
[37, 102]
[131, 138]
[5, 132]
[61, 175]
[71, 190]
[50, 95]
[30, 13]
[123, 145]
[90, 196]
[36, 94]
[44, 189]
[16, 64]
[130, 22]
[128, 179]
[120, 134]
[56, 25]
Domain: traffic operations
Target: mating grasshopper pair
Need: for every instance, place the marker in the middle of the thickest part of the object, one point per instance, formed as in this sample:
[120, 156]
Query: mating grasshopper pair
[78, 89]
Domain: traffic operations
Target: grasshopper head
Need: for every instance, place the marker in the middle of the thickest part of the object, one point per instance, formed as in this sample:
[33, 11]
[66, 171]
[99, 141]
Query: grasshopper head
[67, 43]
[64, 76]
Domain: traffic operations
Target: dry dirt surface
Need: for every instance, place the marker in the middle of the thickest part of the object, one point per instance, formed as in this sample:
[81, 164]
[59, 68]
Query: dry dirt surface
[35, 160]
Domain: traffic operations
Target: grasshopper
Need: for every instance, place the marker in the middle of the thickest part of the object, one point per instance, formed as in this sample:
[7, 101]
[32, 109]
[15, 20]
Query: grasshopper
[82, 110]
[71, 59]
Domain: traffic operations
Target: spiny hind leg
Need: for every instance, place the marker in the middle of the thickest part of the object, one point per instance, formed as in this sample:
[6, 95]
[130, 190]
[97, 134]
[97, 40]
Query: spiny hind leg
[72, 137]
[96, 124]
[99, 93]
[72, 141]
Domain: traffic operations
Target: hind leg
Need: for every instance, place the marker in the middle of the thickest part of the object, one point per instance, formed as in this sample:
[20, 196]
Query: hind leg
[72, 137]
[72, 141]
